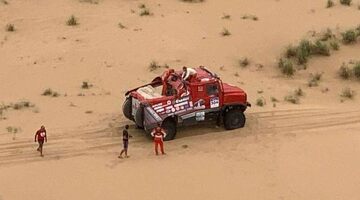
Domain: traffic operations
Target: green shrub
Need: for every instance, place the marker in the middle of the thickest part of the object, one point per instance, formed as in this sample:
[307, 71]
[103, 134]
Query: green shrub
[72, 21]
[349, 36]
[320, 48]
[286, 67]
[303, 51]
[356, 70]
[344, 71]
[329, 4]
[345, 2]
[334, 45]
[10, 28]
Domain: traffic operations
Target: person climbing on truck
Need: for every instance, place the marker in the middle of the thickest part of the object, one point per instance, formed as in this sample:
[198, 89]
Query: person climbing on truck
[188, 73]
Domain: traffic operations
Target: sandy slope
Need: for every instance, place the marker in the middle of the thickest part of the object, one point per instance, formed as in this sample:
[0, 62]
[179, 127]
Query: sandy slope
[305, 151]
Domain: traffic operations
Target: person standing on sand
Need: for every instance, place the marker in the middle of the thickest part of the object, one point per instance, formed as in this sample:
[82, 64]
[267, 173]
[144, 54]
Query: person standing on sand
[158, 134]
[126, 137]
[40, 137]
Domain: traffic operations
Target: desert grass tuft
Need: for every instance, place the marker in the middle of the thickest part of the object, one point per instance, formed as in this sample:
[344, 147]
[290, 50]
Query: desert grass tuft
[90, 1]
[356, 70]
[72, 21]
[226, 16]
[10, 28]
[193, 1]
[345, 2]
[121, 25]
[290, 51]
[225, 32]
[334, 45]
[286, 67]
[154, 66]
[50, 92]
[345, 71]
[145, 12]
[260, 102]
[347, 93]
[329, 4]
[314, 79]
[320, 48]
[349, 36]
[292, 99]
[244, 62]
[86, 85]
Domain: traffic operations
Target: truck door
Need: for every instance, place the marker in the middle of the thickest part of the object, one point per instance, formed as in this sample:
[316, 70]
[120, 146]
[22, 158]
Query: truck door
[212, 96]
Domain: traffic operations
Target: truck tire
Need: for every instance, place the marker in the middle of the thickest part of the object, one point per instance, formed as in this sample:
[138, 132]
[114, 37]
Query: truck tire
[139, 117]
[127, 108]
[169, 125]
[234, 119]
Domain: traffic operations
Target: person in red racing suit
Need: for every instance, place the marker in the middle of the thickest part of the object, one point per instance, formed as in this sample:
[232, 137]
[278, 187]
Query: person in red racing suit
[40, 137]
[158, 134]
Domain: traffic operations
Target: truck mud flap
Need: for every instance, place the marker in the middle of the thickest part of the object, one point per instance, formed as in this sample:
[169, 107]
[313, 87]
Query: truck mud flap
[151, 118]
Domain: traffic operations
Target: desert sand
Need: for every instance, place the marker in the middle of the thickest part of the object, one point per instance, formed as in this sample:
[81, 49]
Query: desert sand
[304, 151]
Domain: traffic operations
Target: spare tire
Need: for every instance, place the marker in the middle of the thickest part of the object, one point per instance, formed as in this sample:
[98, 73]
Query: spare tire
[127, 108]
[139, 117]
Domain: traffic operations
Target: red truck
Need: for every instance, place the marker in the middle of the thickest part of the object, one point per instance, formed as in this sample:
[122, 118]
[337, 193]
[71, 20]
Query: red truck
[171, 101]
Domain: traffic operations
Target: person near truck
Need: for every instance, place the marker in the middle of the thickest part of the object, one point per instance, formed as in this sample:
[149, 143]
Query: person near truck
[188, 73]
[126, 137]
[158, 134]
[40, 137]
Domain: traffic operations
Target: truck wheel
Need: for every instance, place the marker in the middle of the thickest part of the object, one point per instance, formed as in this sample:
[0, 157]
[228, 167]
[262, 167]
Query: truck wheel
[139, 118]
[127, 109]
[234, 119]
[169, 126]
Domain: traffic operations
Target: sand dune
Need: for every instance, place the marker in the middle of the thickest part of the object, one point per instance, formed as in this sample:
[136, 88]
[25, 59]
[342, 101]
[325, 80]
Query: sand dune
[286, 151]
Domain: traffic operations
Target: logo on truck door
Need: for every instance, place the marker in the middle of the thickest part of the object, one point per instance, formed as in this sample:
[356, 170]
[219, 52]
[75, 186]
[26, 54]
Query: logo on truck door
[214, 102]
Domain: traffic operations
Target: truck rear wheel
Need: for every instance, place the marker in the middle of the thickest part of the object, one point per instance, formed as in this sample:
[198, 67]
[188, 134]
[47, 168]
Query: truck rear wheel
[169, 126]
[234, 119]
[127, 108]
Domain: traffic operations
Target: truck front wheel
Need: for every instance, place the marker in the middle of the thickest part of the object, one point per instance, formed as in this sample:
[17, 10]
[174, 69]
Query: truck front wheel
[234, 119]
[169, 126]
